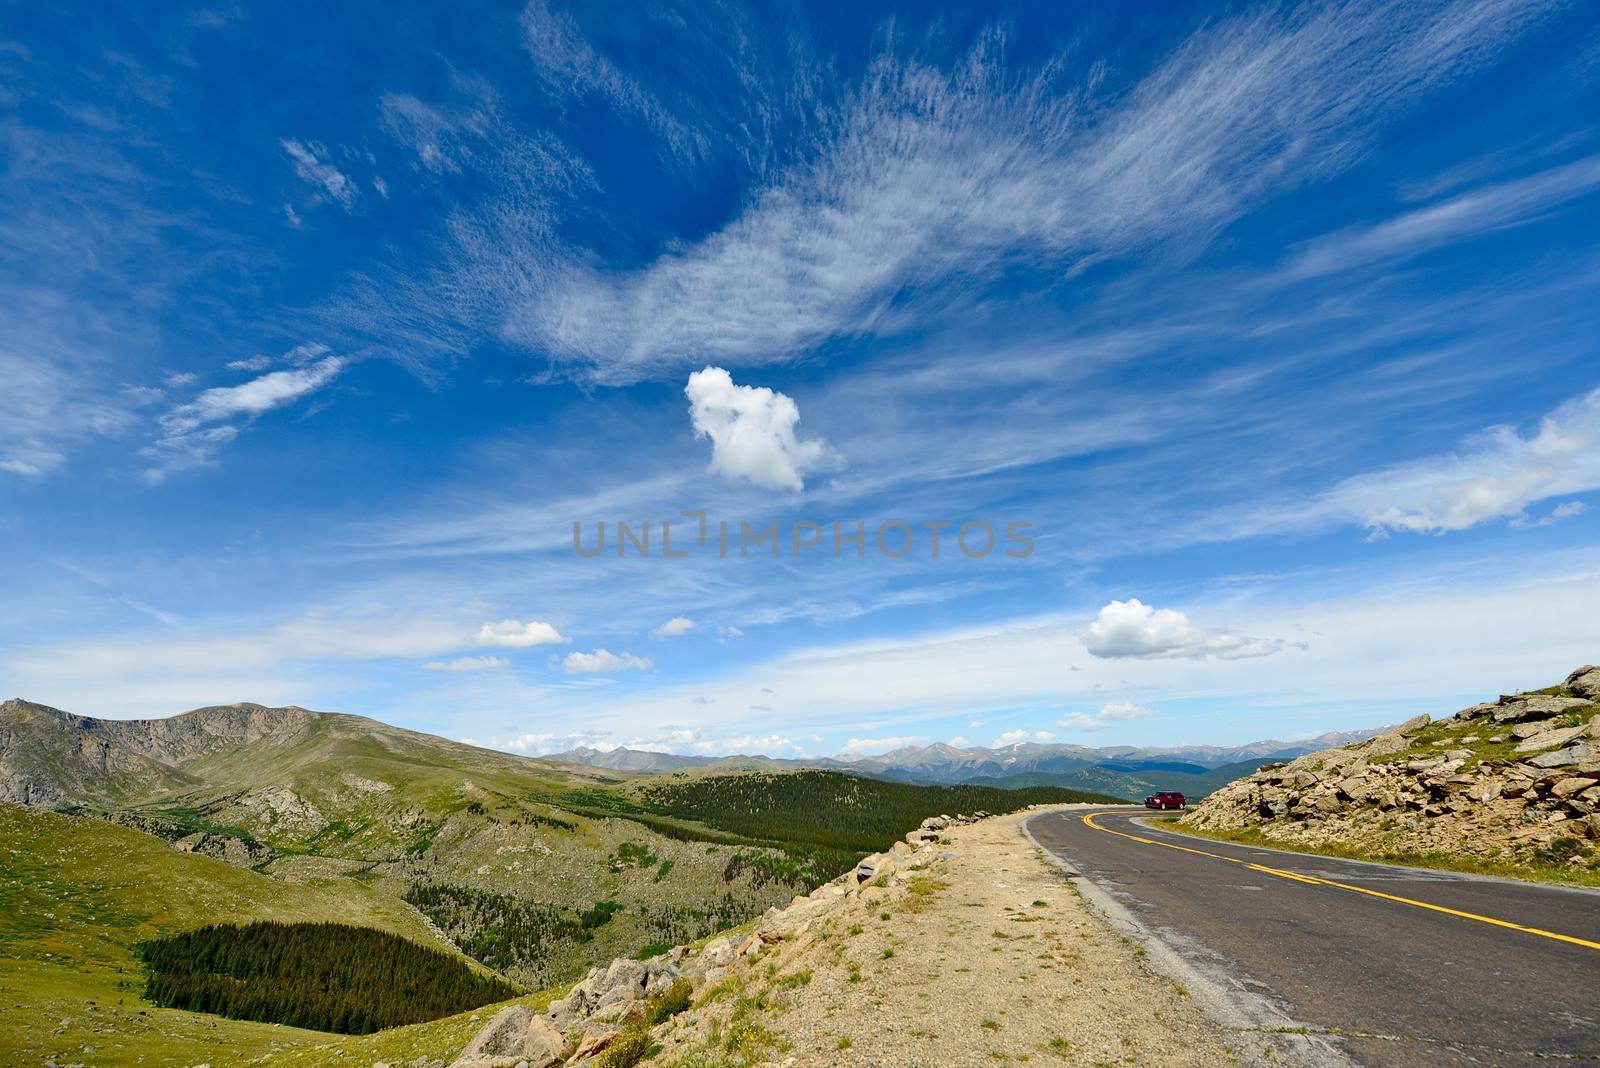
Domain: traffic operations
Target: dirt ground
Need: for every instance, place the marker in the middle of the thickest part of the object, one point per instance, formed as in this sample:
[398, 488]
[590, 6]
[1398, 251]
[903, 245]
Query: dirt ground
[989, 956]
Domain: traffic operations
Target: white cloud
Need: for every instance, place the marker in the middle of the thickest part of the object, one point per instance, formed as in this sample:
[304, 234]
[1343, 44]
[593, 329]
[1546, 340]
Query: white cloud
[752, 431]
[250, 363]
[568, 64]
[1012, 737]
[959, 740]
[1496, 476]
[729, 632]
[468, 663]
[1117, 712]
[1135, 630]
[858, 747]
[515, 634]
[1492, 208]
[674, 627]
[1561, 511]
[311, 165]
[603, 661]
[933, 178]
[192, 433]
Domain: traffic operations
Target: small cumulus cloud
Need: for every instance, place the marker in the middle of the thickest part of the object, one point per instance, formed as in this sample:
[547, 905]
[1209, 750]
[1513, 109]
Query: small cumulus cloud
[857, 747]
[1132, 629]
[1017, 737]
[752, 431]
[1116, 712]
[603, 661]
[674, 627]
[514, 634]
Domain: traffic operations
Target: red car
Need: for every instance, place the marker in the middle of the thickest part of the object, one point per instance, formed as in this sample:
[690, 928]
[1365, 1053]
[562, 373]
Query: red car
[1165, 799]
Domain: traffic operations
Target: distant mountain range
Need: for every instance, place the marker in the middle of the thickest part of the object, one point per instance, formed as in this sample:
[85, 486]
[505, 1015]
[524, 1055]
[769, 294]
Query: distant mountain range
[1125, 771]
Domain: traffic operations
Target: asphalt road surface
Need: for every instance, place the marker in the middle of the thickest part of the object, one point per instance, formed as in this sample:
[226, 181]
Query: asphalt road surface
[1496, 972]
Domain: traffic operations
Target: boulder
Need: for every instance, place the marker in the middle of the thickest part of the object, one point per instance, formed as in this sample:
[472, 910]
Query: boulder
[595, 1044]
[1585, 682]
[1570, 786]
[1550, 739]
[1413, 725]
[512, 1038]
[1534, 706]
[1328, 803]
[1572, 754]
[879, 864]
[718, 952]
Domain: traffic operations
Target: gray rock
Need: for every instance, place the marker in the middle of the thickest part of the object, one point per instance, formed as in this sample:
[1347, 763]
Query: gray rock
[1572, 754]
[1534, 706]
[1549, 739]
[500, 1041]
[1585, 682]
[1411, 726]
[718, 952]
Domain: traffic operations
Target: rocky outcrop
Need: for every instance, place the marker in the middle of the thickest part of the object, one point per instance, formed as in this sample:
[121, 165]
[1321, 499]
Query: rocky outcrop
[1515, 778]
[627, 996]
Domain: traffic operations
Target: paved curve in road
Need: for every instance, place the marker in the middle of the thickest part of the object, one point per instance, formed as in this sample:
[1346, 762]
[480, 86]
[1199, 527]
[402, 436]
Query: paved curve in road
[1495, 972]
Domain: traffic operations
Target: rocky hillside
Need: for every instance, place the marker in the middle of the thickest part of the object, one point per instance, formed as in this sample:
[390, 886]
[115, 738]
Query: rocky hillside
[57, 759]
[958, 946]
[1515, 780]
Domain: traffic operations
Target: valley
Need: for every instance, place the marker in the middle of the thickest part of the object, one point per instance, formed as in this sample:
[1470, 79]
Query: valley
[531, 869]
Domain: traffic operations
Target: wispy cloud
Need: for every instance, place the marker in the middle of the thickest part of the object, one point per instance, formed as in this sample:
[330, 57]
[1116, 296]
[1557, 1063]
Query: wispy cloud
[1481, 211]
[311, 164]
[192, 433]
[468, 663]
[930, 179]
[569, 65]
[1496, 475]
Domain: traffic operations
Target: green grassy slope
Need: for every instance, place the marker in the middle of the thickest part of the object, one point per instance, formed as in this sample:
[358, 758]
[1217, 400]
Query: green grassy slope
[76, 895]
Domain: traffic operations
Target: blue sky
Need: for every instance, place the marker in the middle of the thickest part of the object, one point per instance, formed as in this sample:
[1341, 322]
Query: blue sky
[321, 325]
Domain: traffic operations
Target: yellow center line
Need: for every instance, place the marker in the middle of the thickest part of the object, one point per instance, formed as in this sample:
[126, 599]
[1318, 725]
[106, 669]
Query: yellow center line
[1089, 820]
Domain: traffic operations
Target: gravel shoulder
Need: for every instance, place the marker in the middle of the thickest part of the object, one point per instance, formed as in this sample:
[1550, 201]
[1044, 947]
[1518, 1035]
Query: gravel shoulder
[989, 955]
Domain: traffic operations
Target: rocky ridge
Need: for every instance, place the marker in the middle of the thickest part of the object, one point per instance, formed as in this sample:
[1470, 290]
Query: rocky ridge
[1514, 779]
[606, 1018]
